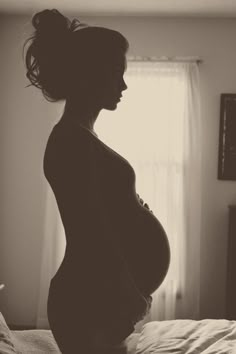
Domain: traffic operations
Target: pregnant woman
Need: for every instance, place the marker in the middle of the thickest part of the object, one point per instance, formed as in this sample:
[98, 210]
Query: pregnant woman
[117, 253]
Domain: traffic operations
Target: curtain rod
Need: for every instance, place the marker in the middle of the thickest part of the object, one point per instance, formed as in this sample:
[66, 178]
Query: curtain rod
[165, 59]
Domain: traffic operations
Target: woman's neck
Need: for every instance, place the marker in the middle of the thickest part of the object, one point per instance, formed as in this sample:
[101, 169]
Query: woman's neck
[83, 114]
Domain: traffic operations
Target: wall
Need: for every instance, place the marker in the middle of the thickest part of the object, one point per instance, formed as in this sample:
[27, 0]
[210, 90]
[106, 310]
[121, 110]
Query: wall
[26, 119]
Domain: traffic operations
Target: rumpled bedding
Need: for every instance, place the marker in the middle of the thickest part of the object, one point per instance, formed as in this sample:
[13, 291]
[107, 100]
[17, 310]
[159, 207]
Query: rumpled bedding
[37, 341]
[42, 341]
[208, 336]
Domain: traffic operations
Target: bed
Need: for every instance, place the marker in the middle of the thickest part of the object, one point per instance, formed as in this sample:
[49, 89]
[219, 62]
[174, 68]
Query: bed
[157, 337]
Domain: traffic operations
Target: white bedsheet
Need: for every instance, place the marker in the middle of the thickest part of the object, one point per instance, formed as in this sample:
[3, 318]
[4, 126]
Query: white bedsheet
[188, 337]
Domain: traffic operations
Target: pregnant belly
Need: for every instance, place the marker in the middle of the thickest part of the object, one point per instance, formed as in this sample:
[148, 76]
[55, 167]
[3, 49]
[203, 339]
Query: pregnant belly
[143, 242]
[146, 249]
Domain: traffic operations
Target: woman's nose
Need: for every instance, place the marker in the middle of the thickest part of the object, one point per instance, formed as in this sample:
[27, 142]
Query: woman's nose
[124, 86]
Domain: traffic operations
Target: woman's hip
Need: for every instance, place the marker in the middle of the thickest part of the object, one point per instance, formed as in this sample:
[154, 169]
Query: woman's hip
[75, 322]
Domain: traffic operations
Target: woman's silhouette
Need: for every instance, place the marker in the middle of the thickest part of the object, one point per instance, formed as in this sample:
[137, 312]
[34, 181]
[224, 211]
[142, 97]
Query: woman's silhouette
[117, 253]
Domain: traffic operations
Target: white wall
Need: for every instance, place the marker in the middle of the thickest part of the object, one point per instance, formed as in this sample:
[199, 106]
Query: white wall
[26, 119]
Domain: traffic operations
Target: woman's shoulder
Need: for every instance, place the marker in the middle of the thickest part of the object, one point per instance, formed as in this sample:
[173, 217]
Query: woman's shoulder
[65, 143]
[68, 129]
[66, 148]
[67, 136]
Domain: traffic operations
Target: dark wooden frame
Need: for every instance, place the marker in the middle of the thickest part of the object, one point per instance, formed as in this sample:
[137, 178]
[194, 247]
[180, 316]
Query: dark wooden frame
[227, 138]
[231, 266]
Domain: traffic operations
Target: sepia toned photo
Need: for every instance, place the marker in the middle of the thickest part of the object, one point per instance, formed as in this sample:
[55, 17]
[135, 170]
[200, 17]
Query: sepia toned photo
[118, 172]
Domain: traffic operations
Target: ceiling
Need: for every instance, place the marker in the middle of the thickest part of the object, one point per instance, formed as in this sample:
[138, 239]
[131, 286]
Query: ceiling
[193, 8]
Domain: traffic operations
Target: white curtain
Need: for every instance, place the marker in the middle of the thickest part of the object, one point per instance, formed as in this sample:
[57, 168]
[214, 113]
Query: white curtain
[156, 127]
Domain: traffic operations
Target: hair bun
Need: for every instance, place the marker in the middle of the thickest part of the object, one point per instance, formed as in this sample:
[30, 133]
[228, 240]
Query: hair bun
[50, 22]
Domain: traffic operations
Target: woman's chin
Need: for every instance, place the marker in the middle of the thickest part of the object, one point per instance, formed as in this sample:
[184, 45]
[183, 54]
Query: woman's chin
[111, 106]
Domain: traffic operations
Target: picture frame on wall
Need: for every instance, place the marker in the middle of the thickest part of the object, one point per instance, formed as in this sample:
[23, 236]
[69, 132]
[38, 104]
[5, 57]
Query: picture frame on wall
[227, 138]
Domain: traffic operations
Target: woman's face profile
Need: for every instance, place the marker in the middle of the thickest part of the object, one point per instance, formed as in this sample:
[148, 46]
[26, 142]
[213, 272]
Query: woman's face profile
[113, 85]
[103, 88]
